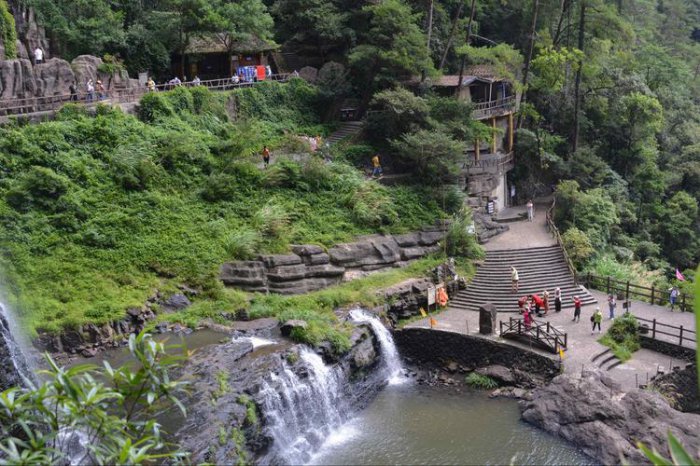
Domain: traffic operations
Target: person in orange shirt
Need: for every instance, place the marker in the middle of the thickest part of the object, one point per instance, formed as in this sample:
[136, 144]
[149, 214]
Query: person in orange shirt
[266, 156]
[376, 166]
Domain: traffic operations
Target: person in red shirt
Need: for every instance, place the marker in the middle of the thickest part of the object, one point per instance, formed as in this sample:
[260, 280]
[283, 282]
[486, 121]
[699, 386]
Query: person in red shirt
[539, 303]
[577, 309]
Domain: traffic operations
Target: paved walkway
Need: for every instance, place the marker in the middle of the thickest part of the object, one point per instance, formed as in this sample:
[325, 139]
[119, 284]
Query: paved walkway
[524, 234]
[583, 346]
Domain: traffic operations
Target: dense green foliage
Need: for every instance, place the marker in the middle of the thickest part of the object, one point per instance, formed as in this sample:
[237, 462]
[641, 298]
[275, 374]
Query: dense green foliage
[482, 382]
[623, 337]
[8, 32]
[98, 213]
[111, 408]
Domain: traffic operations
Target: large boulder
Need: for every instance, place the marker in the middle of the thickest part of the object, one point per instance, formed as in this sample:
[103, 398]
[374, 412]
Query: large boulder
[16, 79]
[591, 412]
[85, 68]
[53, 77]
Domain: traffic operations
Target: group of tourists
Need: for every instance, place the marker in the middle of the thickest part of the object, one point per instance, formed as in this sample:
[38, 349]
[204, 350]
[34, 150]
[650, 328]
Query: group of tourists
[94, 90]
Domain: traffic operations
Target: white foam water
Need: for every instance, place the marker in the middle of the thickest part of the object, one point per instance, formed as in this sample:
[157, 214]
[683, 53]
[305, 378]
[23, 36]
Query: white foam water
[390, 355]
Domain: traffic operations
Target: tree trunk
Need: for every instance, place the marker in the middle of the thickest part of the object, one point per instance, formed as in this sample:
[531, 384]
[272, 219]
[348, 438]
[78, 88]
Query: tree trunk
[464, 57]
[577, 85]
[565, 5]
[453, 29]
[429, 33]
[528, 58]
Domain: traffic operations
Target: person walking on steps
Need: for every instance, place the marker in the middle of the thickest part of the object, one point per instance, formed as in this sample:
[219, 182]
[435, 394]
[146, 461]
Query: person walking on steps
[557, 299]
[577, 309]
[545, 300]
[376, 166]
[530, 211]
[266, 156]
[612, 304]
[596, 319]
[673, 297]
[514, 279]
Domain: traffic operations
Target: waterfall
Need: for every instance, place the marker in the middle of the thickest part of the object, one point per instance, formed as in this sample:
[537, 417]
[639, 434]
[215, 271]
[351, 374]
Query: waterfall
[390, 355]
[304, 404]
[15, 369]
[302, 409]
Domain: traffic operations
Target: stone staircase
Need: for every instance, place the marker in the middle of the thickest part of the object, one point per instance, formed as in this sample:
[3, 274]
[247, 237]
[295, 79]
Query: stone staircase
[346, 130]
[539, 269]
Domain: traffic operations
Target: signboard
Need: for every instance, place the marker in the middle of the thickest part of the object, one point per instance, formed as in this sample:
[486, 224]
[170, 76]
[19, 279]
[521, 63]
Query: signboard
[431, 295]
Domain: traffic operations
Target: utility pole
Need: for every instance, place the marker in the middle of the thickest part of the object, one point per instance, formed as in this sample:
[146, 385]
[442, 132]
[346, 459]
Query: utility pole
[464, 57]
[577, 85]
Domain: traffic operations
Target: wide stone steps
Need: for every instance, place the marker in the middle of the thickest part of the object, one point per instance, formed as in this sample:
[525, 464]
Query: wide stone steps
[538, 269]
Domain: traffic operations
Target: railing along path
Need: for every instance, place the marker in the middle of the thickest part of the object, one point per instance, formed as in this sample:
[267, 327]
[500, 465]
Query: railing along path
[26, 105]
[542, 333]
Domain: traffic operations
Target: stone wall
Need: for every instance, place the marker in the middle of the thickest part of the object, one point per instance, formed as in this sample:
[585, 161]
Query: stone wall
[310, 268]
[664, 347]
[440, 349]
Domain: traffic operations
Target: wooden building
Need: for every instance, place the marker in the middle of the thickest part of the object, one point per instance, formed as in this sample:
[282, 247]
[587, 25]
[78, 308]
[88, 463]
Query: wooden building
[212, 56]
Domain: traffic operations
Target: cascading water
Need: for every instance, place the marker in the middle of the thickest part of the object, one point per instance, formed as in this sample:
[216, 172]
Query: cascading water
[15, 369]
[306, 403]
[390, 354]
[302, 409]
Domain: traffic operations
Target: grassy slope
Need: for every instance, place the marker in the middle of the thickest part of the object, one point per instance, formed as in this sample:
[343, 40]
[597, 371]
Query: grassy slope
[98, 213]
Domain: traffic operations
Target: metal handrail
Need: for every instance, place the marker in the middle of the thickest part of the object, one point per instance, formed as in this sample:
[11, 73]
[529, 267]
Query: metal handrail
[541, 332]
[25, 105]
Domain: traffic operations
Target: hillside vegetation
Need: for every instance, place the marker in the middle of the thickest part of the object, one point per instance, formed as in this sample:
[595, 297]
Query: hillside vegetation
[99, 213]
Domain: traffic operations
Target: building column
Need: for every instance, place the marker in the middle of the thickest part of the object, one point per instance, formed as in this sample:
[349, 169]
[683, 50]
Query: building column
[476, 150]
[510, 132]
[493, 136]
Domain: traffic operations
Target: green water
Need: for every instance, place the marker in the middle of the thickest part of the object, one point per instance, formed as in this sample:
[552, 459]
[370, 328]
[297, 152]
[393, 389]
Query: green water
[408, 424]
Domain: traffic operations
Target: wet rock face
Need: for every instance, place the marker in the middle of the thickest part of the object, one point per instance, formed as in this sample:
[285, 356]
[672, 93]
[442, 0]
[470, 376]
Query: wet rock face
[591, 412]
[227, 383]
[8, 374]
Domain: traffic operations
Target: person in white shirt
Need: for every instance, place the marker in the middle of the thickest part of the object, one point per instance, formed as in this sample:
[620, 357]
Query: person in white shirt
[38, 56]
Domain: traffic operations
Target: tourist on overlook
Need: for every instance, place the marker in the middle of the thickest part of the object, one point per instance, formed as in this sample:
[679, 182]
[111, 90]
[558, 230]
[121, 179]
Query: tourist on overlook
[101, 94]
[266, 156]
[530, 211]
[90, 86]
[73, 88]
[38, 56]
[151, 85]
[376, 166]
[612, 304]
[577, 309]
[527, 319]
[557, 299]
[512, 195]
[196, 81]
[514, 279]
[596, 318]
[673, 297]
[545, 301]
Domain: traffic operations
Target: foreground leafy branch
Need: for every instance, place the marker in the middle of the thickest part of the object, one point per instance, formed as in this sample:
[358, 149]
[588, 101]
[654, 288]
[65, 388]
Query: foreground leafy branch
[92, 415]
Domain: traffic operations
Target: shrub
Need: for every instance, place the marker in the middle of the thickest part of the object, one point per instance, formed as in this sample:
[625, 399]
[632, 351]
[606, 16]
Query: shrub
[154, 106]
[272, 220]
[578, 246]
[372, 206]
[8, 31]
[39, 186]
[71, 112]
[242, 244]
[180, 99]
[623, 337]
[219, 187]
[461, 242]
[482, 382]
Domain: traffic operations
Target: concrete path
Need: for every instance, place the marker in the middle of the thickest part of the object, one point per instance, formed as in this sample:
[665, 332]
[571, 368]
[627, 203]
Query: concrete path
[524, 234]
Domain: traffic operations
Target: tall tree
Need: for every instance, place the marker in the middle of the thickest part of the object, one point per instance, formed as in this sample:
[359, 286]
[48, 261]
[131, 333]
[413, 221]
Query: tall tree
[577, 85]
[466, 42]
[528, 57]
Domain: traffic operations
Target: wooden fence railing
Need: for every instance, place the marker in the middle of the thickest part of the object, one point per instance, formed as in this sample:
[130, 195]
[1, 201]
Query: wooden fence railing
[630, 290]
[493, 163]
[542, 333]
[115, 96]
[493, 107]
[677, 335]
[555, 232]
